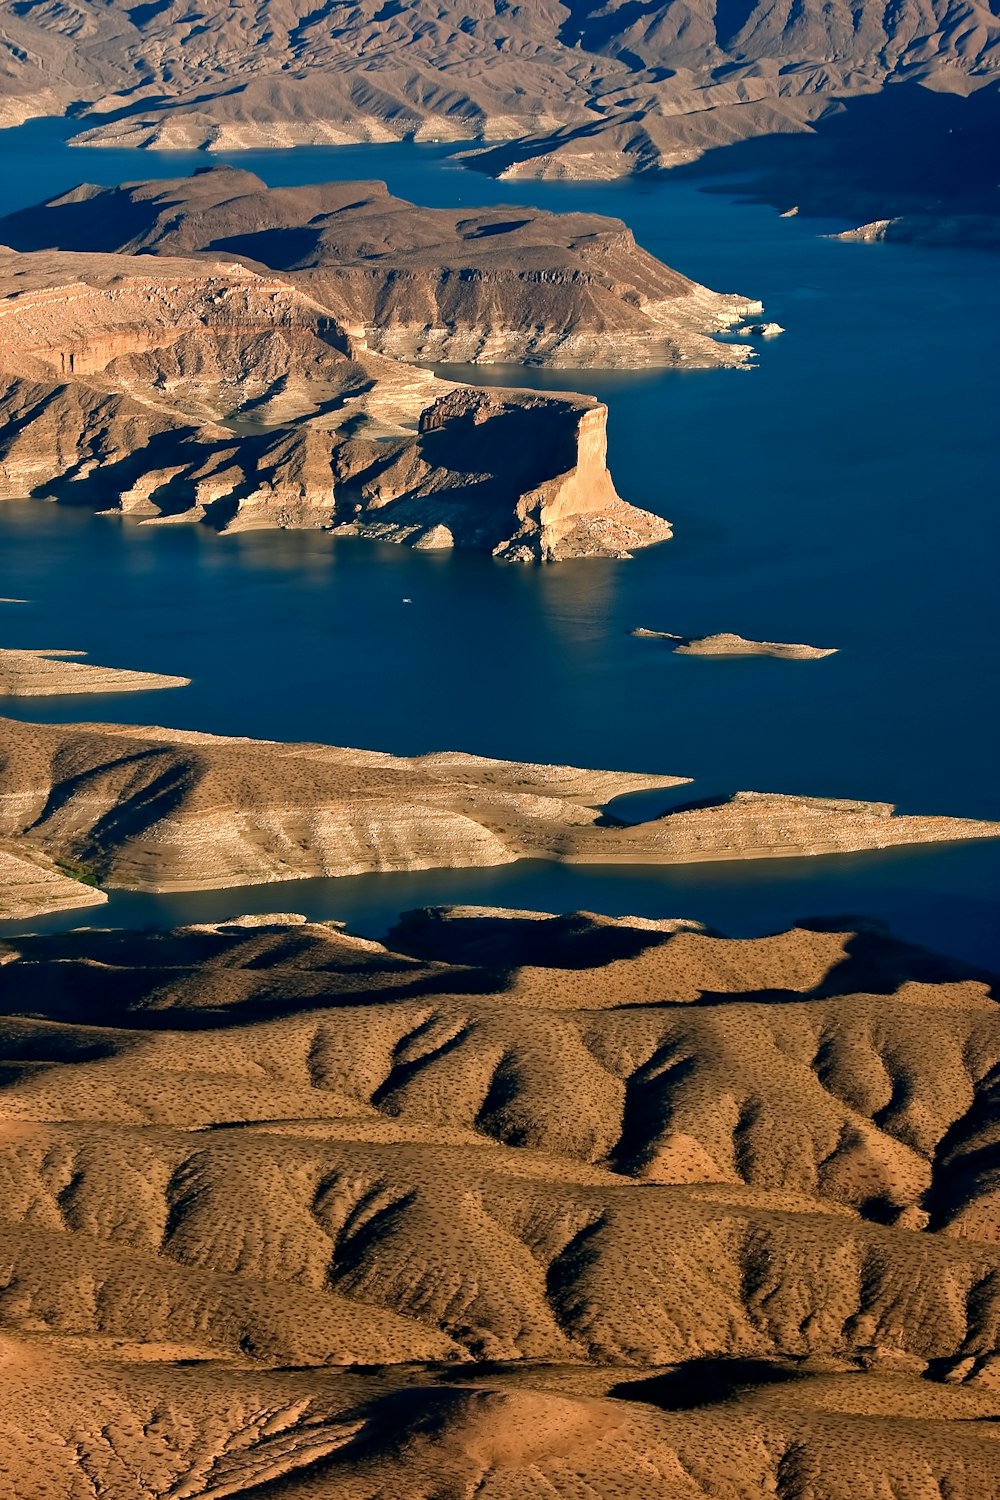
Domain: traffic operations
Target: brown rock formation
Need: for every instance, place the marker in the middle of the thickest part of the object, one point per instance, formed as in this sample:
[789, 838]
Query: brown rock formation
[498, 285]
[198, 391]
[160, 809]
[641, 1211]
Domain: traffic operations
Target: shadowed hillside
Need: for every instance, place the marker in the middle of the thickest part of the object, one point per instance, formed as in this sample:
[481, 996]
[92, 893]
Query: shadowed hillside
[612, 1204]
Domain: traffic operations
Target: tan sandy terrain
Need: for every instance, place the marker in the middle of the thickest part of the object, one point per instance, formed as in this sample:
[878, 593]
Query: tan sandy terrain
[34, 674]
[611, 1207]
[167, 809]
[728, 644]
[489, 285]
[189, 390]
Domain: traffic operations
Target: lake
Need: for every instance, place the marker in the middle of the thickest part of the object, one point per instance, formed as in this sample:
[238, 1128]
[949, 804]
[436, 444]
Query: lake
[841, 494]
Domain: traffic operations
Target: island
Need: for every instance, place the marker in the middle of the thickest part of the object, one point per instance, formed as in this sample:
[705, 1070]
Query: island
[727, 644]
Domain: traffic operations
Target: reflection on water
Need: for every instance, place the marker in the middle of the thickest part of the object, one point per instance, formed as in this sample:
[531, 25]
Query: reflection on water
[837, 495]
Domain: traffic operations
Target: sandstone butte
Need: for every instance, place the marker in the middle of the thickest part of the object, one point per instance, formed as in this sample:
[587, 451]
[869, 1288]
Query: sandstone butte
[188, 390]
[165, 809]
[727, 644]
[508, 1205]
[508, 284]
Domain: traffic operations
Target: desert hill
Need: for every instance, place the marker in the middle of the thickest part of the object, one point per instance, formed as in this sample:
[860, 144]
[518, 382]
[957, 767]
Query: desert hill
[509, 285]
[188, 390]
[166, 809]
[290, 1212]
[291, 73]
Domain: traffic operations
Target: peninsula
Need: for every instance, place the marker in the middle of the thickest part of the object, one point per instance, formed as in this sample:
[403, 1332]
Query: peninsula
[508, 285]
[35, 674]
[194, 390]
[166, 809]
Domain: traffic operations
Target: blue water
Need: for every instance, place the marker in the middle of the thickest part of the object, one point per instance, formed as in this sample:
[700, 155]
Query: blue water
[842, 494]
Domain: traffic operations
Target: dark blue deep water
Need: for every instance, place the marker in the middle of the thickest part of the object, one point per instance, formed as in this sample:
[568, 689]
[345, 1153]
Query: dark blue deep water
[843, 493]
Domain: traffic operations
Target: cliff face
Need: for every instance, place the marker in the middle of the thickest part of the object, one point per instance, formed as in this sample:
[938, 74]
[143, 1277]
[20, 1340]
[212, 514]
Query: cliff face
[163, 809]
[453, 485]
[197, 391]
[504, 285]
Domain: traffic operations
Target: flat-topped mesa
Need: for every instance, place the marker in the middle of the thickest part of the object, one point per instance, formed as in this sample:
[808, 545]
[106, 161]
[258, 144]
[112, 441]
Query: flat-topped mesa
[507, 285]
[191, 390]
[160, 809]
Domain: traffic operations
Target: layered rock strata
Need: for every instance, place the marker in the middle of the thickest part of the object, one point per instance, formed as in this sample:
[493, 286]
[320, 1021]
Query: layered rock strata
[508, 285]
[159, 809]
[32, 884]
[186, 390]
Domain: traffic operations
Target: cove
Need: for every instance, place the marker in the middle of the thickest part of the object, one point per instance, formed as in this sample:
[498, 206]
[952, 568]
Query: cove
[841, 494]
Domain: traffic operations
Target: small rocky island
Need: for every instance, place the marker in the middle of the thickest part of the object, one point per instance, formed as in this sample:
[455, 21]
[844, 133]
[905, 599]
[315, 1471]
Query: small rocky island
[727, 644]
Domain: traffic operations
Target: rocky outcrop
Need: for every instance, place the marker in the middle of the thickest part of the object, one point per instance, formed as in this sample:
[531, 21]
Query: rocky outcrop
[477, 448]
[759, 330]
[159, 809]
[189, 390]
[35, 674]
[727, 644]
[506, 285]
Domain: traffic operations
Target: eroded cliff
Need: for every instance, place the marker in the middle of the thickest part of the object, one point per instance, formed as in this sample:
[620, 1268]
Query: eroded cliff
[189, 390]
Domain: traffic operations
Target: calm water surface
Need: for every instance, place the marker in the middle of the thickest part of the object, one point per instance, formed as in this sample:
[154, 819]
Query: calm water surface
[841, 494]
